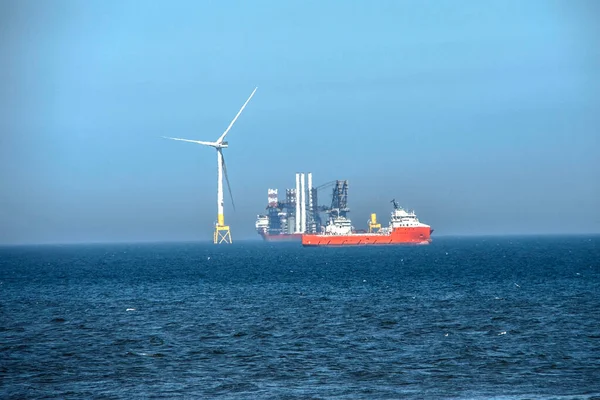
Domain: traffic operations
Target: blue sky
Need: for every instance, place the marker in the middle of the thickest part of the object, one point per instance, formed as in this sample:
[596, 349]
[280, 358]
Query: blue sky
[481, 116]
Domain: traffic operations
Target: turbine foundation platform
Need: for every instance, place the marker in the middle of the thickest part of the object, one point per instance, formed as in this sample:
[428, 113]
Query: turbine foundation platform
[222, 234]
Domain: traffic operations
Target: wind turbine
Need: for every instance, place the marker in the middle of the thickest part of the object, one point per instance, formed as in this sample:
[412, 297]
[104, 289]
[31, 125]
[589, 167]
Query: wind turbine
[222, 233]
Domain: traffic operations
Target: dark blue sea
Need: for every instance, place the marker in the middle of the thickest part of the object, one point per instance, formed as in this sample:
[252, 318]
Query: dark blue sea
[462, 318]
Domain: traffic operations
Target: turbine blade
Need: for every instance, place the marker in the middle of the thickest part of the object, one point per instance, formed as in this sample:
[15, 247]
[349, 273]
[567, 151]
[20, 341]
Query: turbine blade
[220, 139]
[193, 141]
[211, 144]
[227, 180]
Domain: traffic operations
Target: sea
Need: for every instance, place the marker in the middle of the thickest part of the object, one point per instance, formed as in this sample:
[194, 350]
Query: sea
[462, 318]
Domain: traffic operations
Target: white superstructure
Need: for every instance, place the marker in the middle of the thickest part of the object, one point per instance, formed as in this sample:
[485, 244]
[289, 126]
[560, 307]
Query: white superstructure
[401, 217]
[339, 226]
[262, 223]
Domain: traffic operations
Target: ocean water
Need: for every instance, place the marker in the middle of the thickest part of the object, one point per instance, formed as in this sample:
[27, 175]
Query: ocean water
[463, 318]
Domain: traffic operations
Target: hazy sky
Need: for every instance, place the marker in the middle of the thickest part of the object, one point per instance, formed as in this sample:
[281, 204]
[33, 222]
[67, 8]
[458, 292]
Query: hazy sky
[483, 116]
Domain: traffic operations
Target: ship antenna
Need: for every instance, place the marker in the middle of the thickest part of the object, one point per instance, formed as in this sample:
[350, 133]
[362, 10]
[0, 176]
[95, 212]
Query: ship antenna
[395, 204]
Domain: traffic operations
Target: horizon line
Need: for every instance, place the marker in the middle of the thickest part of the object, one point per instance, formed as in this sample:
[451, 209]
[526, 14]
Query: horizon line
[209, 241]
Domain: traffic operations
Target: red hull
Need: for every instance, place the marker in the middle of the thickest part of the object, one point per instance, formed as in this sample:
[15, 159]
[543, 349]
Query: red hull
[284, 237]
[417, 235]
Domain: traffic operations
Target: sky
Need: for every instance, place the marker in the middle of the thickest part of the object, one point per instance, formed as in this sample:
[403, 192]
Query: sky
[483, 117]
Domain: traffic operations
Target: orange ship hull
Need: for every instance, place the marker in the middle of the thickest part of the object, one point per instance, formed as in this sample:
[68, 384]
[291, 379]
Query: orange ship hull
[416, 235]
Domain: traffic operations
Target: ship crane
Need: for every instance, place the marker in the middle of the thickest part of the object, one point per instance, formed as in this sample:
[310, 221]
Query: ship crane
[317, 209]
[339, 200]
[374, 226]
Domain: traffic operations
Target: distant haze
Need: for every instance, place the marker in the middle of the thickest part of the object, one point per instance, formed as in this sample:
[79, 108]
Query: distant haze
[483, 116]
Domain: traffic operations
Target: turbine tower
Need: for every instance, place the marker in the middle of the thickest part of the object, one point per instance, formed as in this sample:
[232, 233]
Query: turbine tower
[222, 233]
